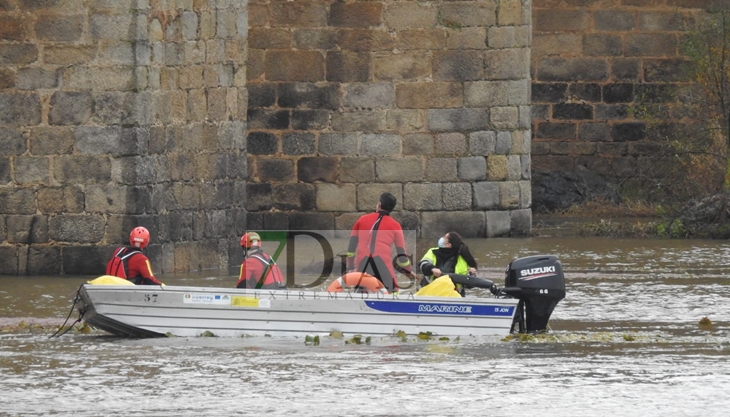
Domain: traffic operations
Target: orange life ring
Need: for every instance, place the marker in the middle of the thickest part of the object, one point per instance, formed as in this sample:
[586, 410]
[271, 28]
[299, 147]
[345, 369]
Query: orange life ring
[357, 279]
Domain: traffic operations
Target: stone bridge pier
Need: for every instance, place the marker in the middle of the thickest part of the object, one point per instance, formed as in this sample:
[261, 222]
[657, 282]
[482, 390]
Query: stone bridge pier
[199, 119]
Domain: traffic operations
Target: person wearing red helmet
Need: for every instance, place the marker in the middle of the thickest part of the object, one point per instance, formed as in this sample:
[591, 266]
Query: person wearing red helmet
[130, 263]
[258, 269]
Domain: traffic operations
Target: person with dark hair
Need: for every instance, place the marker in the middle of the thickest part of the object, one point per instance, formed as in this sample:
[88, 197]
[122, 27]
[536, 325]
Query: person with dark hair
[130, 263]
[371, 240]
[451, 256]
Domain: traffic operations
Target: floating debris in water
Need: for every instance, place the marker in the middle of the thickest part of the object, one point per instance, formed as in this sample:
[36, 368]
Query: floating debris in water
[367, 340]
[311, 340]
[208, 333]
[336, 334]
[425, 335]
[357, 340]
[706, 324]
[444, 339]
[629, 338]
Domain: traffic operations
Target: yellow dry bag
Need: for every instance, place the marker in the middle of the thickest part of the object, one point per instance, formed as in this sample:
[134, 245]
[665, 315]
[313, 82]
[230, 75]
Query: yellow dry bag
[440, 287]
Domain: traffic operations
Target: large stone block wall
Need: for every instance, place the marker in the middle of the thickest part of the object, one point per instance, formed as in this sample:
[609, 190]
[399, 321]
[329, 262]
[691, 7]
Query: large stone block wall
[118, 113]
[597, 65]
[426, 99]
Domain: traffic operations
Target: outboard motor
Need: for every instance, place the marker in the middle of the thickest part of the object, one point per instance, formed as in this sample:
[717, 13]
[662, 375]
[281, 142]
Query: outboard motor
[538, 282]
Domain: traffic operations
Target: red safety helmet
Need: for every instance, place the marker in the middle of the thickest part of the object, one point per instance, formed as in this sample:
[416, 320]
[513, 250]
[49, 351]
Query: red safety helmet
[139, 238]
[250, 239]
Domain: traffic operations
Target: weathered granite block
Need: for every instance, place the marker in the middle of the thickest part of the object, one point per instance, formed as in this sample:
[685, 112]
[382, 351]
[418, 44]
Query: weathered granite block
[20, 108]
[77, 228]
[311, 221]
[509, 195]
[359, 120]
[418, 144]
[472, 168]
[69, 199]
[369, 95]
[428, 95]
[9, 260]
[357, 170]
[380, 144]
[504, 117]
[460, 38]
[346, 66]
[338, 144]
[17, 201]
[333, 197]
[84, 260]
[486, 195]
[311, 169]
[450, 120]
[572, 69]
[275, 169]
[410, 15]
[46, 260]
[450, 144]
[59, 28]
[308, 95]
[114, 140]
[315, 38]
[406, 169]
[8, 79]
[458, 65]
[514, 168]
[498, 223]
[12, 142]
[422, 196]
[461, 14]
[309, 14]
[368, 195]
[496, 93]
[18, 53]
[405, 66]
[32, 78]
[497, 168]
[109, 108]
[294, 197]
[298, 143]
[261, 143]
[268, 119]
[626, 132]
[276, 221]
[525, 163]
[357, 14]
[468, 224]
[5, 170]
[365, 40]
[217, 224]
[405, 120]
[482, 143]
[457, 196]
[428, 39]
[32, 170]
[525, 194]
[27, 229]
[310, 119]
[117, 200]
[521, 222]
[441, 169]
[305, 66]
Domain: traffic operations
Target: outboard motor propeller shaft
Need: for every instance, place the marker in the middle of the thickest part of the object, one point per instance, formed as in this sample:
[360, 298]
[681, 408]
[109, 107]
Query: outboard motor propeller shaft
[538, 282]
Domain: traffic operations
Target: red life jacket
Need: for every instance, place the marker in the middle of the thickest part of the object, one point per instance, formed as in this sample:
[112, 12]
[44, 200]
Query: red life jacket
[117, 266]
[272, 276]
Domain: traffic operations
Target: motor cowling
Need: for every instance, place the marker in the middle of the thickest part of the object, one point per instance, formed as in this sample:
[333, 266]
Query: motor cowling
[538, 282]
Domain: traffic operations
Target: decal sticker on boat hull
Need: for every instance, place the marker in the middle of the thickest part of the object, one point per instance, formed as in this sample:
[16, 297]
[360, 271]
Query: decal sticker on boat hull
[441, 308]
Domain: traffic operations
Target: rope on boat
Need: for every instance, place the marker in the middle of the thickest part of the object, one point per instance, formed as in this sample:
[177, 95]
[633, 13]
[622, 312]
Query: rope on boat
[81, 314]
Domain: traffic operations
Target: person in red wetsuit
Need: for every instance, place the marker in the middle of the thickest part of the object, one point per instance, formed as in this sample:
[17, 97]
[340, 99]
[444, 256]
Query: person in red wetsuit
[371, 240]
[258, 270]
[130, 263]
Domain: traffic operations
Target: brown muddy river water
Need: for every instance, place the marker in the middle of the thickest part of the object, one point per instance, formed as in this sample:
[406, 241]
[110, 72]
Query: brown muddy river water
[626, 341]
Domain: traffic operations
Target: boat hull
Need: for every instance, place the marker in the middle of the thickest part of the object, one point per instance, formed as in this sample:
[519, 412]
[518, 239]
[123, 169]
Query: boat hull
[152, 311]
